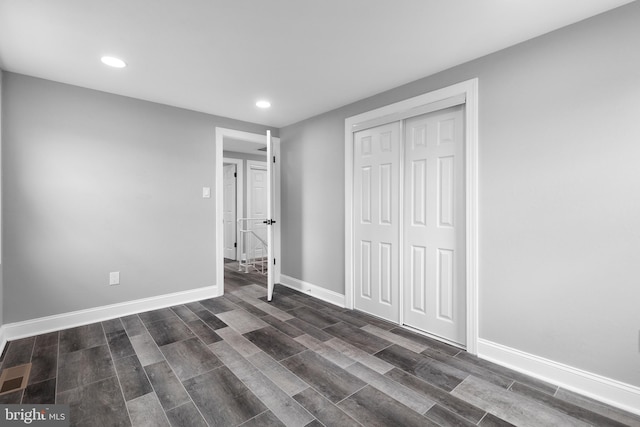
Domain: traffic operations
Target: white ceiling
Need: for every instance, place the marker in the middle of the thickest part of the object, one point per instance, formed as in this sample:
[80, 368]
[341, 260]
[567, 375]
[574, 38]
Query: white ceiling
[306, 56]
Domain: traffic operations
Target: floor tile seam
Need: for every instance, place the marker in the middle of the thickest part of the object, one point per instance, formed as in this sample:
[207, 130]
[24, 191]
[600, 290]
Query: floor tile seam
[124, 399]
[533, 402]
[400, 338]
[195, 335]
[483, 417]
[332, 403]
[401, 387]
[141, 322]
[144, 371]
[106, 343]
[560, 400]
[355, 360]
[283, 367]
[433, 385]
[183, 386]
[55, 391]
[87, 384]
[391, 397]
[272, 382]
[175, 316]
[33, 348]
[501, 372]
[601, 406]
[256, 416]
[374, 354]
[166, 417]
[476, 368]
[323, 346]
[456, 415]
[346, 397]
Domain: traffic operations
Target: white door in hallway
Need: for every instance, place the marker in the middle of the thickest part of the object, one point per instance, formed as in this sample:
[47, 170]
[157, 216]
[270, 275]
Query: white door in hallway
[257, 206]
[270, 223]
[376, 220]
[434, 290]
[229, 211]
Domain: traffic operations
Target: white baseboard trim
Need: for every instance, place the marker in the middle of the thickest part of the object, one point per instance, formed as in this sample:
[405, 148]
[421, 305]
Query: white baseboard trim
[313, 290]
[607, 390]
[42, 325]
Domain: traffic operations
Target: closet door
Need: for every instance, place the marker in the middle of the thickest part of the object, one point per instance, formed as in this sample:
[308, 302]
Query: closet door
[376, 220]
[434, 291]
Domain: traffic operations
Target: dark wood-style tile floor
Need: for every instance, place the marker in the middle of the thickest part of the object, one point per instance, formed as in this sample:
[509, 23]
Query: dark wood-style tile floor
[297, 361]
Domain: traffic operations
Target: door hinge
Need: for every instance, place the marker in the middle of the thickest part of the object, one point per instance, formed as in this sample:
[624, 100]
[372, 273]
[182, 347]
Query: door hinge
[235, 245]
[274, 261]
[274, 159]
[235, 174]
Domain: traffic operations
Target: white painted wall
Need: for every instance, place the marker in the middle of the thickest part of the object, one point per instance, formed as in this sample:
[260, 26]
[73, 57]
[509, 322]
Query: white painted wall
[559, 179]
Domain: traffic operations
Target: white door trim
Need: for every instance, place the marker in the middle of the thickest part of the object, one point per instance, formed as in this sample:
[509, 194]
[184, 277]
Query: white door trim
[239, 193]
[221, 134]
[469, 89]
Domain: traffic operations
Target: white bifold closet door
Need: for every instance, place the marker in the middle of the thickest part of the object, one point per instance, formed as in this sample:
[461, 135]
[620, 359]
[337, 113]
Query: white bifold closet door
[434, 291]
[409, 251]
[376, 220]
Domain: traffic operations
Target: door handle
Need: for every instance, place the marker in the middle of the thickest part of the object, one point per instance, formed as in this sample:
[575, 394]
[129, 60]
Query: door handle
[269, 221]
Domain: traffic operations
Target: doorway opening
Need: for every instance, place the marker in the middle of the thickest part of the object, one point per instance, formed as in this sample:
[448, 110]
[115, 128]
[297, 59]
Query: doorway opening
[242, 173]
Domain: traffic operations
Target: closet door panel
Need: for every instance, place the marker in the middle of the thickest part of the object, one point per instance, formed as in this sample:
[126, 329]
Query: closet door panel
[376, 220]
[434, 297]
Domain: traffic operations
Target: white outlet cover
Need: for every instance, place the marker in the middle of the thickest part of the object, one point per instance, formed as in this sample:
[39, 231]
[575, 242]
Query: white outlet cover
[206, 192]
[114, 278]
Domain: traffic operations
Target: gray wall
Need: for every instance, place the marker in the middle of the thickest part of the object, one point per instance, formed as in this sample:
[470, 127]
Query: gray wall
[95, 183]
[559, 186]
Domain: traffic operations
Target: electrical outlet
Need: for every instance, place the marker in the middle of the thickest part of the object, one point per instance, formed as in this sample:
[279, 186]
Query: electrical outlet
[114, 278]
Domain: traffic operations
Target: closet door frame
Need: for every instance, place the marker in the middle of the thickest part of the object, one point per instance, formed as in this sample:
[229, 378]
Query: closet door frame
[467, 92]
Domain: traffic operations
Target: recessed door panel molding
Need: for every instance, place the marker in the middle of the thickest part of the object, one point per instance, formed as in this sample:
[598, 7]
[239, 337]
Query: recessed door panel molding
[386, 182]
[376, 187]
[365, 195]
[445, 285]
[419, 192]
[385, 264]
[365, 269]
[385, 141]
[365, 144]
[419, 136]
[418, 276]
[446, 191]
[443, 232]
[446, 131]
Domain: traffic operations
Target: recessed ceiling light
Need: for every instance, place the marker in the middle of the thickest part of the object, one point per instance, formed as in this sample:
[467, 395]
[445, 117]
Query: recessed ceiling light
[113, 62]
[263, 104]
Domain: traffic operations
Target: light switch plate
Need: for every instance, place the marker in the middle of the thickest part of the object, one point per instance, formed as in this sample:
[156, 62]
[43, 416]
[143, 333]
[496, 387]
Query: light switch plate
[206, 192]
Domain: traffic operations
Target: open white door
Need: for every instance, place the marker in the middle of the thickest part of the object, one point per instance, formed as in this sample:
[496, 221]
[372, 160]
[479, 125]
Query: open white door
[270, 221]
